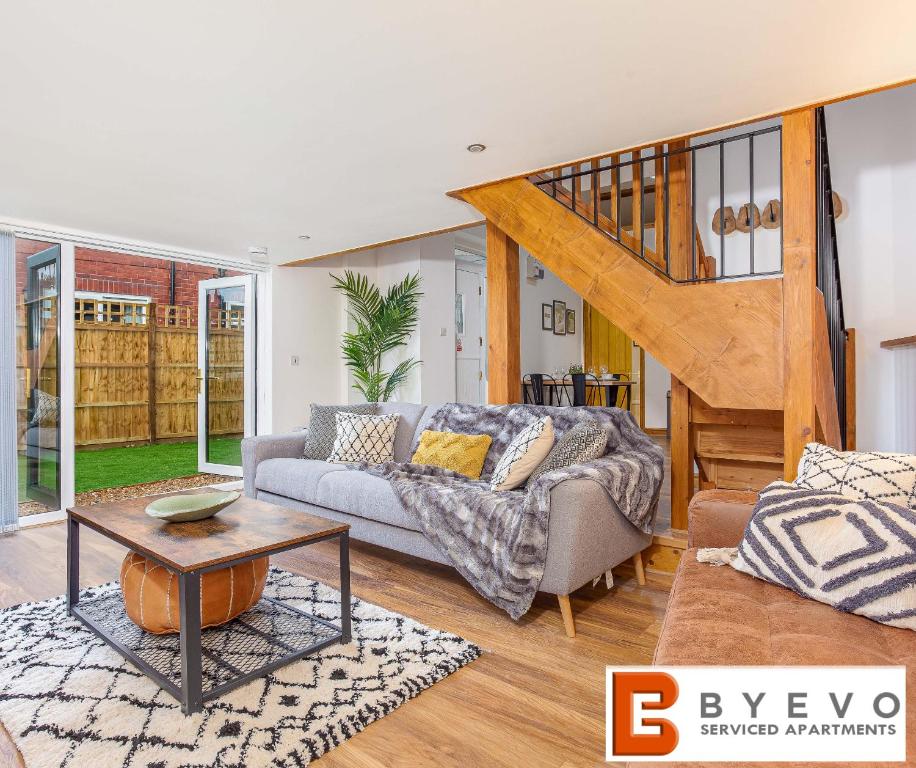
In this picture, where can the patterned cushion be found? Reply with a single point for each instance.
(364, 438)
(884, 477)
(322, 431)
(47, 409)
(584, 442)
(529, 448)
(464, 454)
(858, 556)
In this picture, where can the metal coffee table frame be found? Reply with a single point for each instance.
(190, 694)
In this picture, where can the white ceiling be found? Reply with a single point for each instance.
(213, 126)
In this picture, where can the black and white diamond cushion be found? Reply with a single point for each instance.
(857, 555)
(364, 438)
(584, 442)
(883, 477)
(529, 448)
(322, 429)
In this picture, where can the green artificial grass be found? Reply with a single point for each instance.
(114, 467)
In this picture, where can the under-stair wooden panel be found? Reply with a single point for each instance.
(723, 340)
(736, 449)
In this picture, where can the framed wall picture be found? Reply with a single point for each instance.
(559, 318)
(570, 321)
(546, 317)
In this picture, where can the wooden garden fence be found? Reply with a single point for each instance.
(135, 377)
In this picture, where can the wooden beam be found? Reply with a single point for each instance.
(680, 212)
(615, 186)
(504, 370)
(151, 369)
(642, 388)
(637, 200)
(681, 454)
(799, 232)
(850, 374)
(659, 188)
(828, 415)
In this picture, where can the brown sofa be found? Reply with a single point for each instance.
(717, 615)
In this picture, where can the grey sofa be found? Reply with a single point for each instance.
(585, 540)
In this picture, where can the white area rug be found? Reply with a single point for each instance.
(67, 699)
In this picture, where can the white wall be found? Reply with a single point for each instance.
(307, 322)
(543, 351)
(434, 259)
(309, 317)
(873, 163)
(736, 155)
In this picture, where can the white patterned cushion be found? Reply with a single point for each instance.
(858, 556)
(884, 477)
(322, 429)
(364, 438)
(529, 448)
(47, 409)
(584, 442)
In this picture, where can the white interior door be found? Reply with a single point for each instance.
(226, 372)
(469, 342)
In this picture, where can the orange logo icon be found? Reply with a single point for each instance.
(627, 685)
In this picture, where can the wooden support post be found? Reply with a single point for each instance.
(642, 388)
(151, 369)
(799, 234)
(615, 187)
(636, 198)
(660, 255)
(850, 389)
(681, 454)
(680, 211)
(504, 369)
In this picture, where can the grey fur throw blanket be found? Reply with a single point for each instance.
(497, 540)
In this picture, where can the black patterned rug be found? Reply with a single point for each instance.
(67, 699)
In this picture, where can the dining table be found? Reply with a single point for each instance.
(605, 386)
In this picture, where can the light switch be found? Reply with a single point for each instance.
(294, 360)
(443, 331)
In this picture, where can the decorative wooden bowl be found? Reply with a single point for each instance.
(188, 507)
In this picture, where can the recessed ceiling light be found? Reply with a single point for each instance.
(305, 237)
(476, 147)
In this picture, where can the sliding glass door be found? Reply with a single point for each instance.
(38, 362)
(226, 372)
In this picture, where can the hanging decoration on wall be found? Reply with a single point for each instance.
(724, 217)
(748, 216)
(772, 215)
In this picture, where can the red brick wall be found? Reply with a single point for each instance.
(109, 272)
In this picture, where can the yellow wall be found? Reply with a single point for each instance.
(605, 344)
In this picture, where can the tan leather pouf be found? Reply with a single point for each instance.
(151, 593)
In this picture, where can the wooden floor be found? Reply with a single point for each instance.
(535, 697)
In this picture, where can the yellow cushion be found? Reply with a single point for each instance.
(463, 454)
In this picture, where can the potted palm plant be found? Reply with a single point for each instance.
(382, 323)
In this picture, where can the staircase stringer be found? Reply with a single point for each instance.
(722, 340)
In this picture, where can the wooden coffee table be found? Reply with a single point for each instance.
(270, 635)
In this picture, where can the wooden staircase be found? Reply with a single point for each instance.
(750, 359)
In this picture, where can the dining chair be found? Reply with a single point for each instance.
(575, 389)
(613, 392)
(534, 382)
(593, 391)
